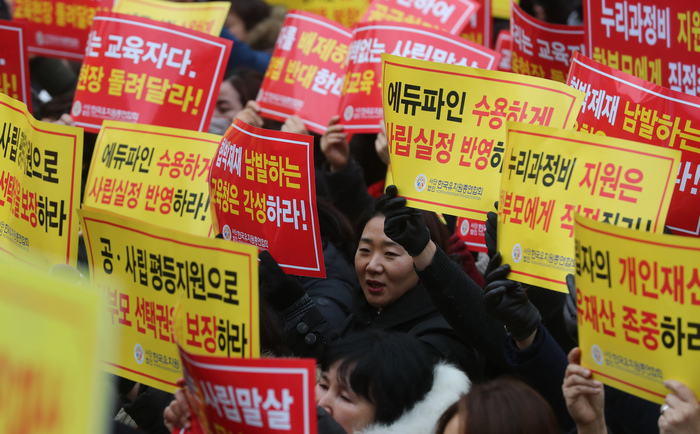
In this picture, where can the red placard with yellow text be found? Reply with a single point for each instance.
(550, 174)
(263, 193)
(361, 105)
(655, 41)
(305, 75)
(252, 396)
(541, 49)
(14, 63)
(478, 29)
(621, 105)
(638, 299)
(451, 16)
(58, 28)
(143, 71)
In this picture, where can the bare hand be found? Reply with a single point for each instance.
(585, 397)
(294, 124)
(251, 114)
(177, 414)
(682, 416)
(335, 146)
(381, 144)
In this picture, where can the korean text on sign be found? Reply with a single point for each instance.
(39, 187)
(637, 296)
(451, 16)
(551, 175)
(153, 174)
(143, 71)
(446, 129)
(263, 193)
(143, 270)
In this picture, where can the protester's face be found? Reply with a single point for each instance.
(384, 267)
(352, 412)
(452, 426)
(228, 104)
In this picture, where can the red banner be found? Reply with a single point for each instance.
(472, 232)
(262, 192)
(478, 28)
(58, 28)
(504, 45)
(656, 43)
(361, 104)
(148, 72)
(624, 106)
(252, 395)
(451, 16)
(541, 49)
(306, 72)
(14, 63)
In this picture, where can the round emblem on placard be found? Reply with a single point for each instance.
(597, 354)
(226, 232)
(139, 353)
(349, 111)
(421, 182)
(464, 228)
(77, 108)
(517, 253)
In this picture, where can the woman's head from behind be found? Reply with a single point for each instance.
(502, 406)
(373, 377)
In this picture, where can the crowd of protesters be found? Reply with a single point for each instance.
(424, 335)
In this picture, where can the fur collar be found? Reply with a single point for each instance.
(450, 383)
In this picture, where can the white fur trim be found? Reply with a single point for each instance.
(448, 385)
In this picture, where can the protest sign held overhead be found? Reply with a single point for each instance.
(549, 175)
(450, 16)
(621, 105)
(39, 187)
(206, 17)
(446, 129)
(478, 29)
(58, 28)
(263, 193)
(142, 270)
(655, 42)
(14, 63)
(252, 396)
(361, 105)
(637, 297)
(542, 49)
(344, 12)
(504, 45)
(46, 319)
(305, 75)
(143, 71)
(153, 174)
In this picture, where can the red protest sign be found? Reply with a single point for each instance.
(624, 106)
(541, 49)
(148, 72)
(451, 16)
(472, 233)
(656, 43)
(504, 45)
(252, 395)
(262, 192)
(306, 71)
(58, 28)
(14, 63)
(478, 29)
(361, 104)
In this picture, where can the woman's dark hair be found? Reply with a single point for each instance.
(247, 83)
(439, 233)
(391, 370)
(251, 12)
(503, 406)
(336, 228)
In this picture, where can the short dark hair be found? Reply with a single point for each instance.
(391, 370)
(503, 406)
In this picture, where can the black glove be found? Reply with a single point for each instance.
(506, 300)
(570, 312)
(277, 288)
(491, 232)
(405, 225)
(496, 271)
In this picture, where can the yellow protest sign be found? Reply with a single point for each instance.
(154, 174)
(50, 381)
(637, 297)
(446, 129)
(345, 12)
(550, 174)
(501, 8)
(144, 269)
(40, 169)
(206, 17)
